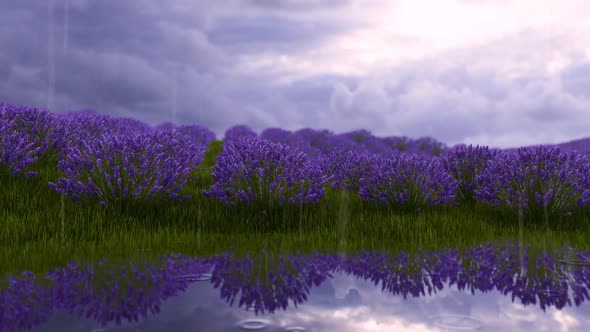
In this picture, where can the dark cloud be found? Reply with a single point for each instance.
(316, 89)
(5, 66)
(271, 32)
(218, 64)
(111, 55)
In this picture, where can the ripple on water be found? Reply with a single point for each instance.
(457, 322)
(253, 324)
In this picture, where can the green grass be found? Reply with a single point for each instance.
(41, 230)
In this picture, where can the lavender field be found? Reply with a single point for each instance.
(136, 192)
(109, 159)
(294, 165)
(107, 165)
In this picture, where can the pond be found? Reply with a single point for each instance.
(484, 288)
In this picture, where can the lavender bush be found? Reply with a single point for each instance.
(368, 142)
(195, 133)
(251, 170)
(347, 168)
(24, 136)
(424, 146)
(360, 141)
(137, 166)
(277, 135)
(73, 127)
(198, 134)
(311, 136)
(534, 178)
(336, 143)
(307, 141)
(464, 164)
(295, 141)
(239, 131)
(408, 180)
(430, 146)
(397, 143)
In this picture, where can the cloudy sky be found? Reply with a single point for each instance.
(501, 73)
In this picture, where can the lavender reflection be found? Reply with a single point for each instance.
(109, 293)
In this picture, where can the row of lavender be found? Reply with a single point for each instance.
(133, 291)
(113, 158)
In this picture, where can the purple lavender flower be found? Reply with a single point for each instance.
(408, 180)
(251, 170)
(24, 136)
(199, 134)
(73, 127)
(535, 178)
(347, 168)
(464, 164)
(239, 131)
(136, 166)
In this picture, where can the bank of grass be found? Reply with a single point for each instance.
(40, 230)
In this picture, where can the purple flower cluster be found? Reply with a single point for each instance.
(314, 143)
(534, 178)
(367, 142)
(277, 135)
(429, 146)
(293, 141)
(408, 180)
(311, 135)
(250, 170)
(464, 164)
(198, 134)
(136, 165)
(195, 133)
(319, 143)
(581, 146)
(347, 168)
(23, 136)
(73, 127)
(424, 146)
(401, 144)
(337, 144)
(238, 132)
(310, 141)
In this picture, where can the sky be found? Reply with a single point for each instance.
(499, 73)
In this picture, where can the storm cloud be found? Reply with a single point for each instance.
(477, 72)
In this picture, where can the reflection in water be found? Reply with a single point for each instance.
(130, 294)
